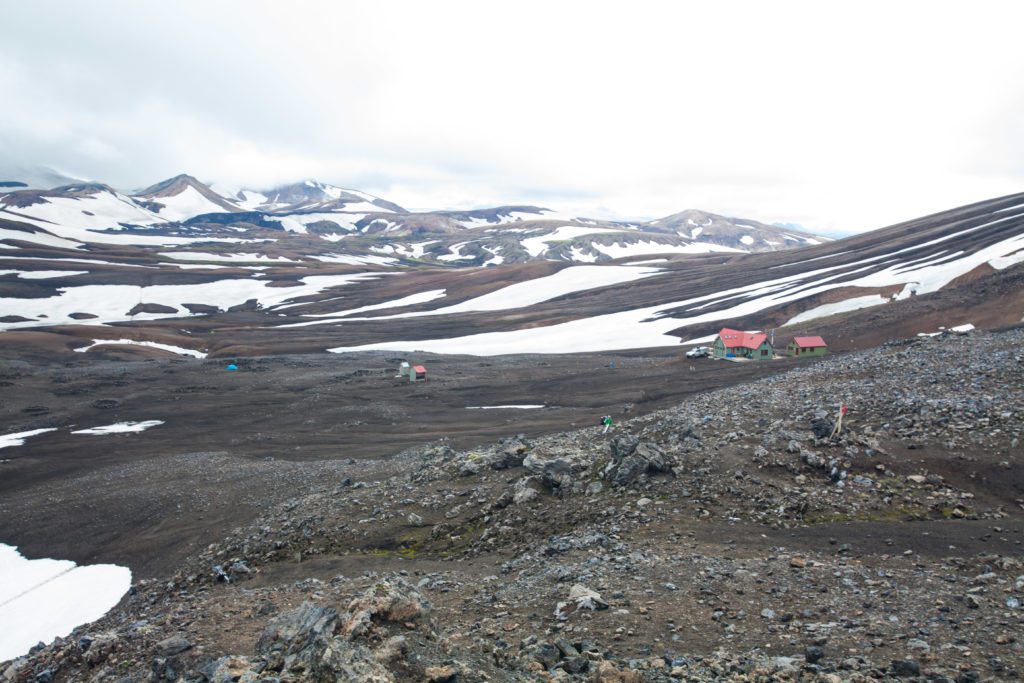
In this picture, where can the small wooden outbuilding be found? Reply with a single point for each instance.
(807, 346)
(417, 373)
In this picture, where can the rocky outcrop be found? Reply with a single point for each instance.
(632, 458)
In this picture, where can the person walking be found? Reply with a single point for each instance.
(607, 422)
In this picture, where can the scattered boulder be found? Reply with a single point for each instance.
(176, 644)
(526, 490)
(555, 471)
(905, 668)
(580, 597)
(633, 458)
(387, 601)
(822, 427)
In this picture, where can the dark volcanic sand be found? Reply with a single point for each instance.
(232, 442)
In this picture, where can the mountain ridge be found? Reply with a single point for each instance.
(314, 218)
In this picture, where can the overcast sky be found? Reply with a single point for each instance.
(842, 117)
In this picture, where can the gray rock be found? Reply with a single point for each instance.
(299, 635)
(822, 427)
(918, 645)
(632, 458)
(525, 490)
(905, 668)
(555, 471)
(547, 654)
(173, 645)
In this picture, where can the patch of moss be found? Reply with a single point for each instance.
(900, 514)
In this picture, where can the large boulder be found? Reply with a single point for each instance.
(385, 602)
(317, 643)
(580, 597)
(633, 458)
(526, 490)
(822, 426)
(296, 639)
(510, 454)
(554, 471)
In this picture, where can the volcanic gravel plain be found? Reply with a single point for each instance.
(315, 518)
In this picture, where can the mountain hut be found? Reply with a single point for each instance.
(736, 344)
(807, 346)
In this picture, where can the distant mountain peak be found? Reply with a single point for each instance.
(310, 194)
(742, 233)
(172, 186)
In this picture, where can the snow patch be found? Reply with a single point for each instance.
(456, 253)
(186, 204)
(526, 406)
(357, 260)
(181, 351)
(206, 256)
(43, 274)
(826, 310)
(42, 238)
(411, 300)
(566, 281)
(645, 247)
(535, 246)
(120, 428)
(44, 599)
(18, 439)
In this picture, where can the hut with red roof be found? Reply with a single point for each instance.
(807, 346)
(736, 344)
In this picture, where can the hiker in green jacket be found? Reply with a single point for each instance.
(607, 422)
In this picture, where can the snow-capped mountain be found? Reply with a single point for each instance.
(181, 198)
(311, 195)
(736, 233)
(73, 214)
(311, 220)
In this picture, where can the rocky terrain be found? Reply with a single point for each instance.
(733, 536)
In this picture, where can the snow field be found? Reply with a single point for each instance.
(535, 246)
(111, 303)
(647, 327)
(186, 204)
(645, 247)
(43, 599)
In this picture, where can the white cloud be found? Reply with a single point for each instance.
(839, 116)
